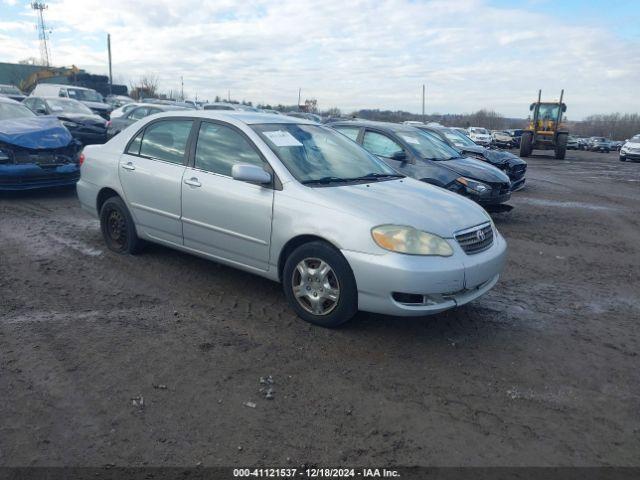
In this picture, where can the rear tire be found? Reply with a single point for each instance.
(118, 229)
(525, 144)
(319, 285)
(561, 146)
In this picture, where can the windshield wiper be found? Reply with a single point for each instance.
(315, 181)
(377, 176)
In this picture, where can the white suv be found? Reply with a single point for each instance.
(631, 149)
(480, 135)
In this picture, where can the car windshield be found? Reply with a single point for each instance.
(635, 139)
(9, 90)
(428, 145)
(458, 138)
(84, 95)
(482, 131)
(68, 106)
(11, 111)
(316, 154)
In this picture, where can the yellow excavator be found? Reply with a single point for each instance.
(32, 80)
(545, 130)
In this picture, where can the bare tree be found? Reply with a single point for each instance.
(145, 87)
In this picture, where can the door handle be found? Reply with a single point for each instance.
(128, 166)
(193, 181)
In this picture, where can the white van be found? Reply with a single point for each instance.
(89, 97)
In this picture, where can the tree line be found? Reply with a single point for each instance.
(616, 126)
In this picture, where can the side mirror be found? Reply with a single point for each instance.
(531, 107)
(399, 156)
(41, 111)
(250, 174)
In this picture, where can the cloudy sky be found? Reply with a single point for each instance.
(356, 53)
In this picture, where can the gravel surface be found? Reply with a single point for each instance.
(167, 359)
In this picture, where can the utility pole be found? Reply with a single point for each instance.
(181, 88)
(299, 97)
(42, 32)
(423, 100)
(110, 72)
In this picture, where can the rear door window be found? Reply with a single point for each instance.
(351, 132)
(166, 140)
(380, 144)
(139, 113)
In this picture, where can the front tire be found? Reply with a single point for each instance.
(118, 229)
(561, 146)
(319, 285)
(525, 144)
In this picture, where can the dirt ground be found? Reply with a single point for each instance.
(150, 359)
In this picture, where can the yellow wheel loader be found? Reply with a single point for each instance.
(545, 130)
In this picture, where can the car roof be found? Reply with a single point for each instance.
(63, 85)
(51, 97)
(249, 118)
(162, 106)
(389, 126)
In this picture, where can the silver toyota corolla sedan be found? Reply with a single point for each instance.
(295, 202)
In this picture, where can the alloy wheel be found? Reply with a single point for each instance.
(315, 286)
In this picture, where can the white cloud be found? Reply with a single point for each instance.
(364, 53)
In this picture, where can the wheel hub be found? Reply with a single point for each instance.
(315, 286)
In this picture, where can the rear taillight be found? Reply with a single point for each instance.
(108, 123)
(81, 159)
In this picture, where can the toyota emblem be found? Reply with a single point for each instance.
(480, 235)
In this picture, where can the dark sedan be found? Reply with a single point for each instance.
(35, 152)
(420, 155)
(84, 125)
(118, 124)
(12, 92)
(513, 166)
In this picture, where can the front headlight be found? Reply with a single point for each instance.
(410, 241)
(473, 185)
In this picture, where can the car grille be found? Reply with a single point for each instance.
(476, 239)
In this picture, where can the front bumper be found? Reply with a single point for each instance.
(32, 176)
(445, 282)
(493, 199)
(630, 156)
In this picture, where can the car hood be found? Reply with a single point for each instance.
(83, 118)
(35, 133)
(476, 169)
(500, 157)
(471, 148)
(406, 202)
(97, 105)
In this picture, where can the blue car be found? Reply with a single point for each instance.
(35, 152)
